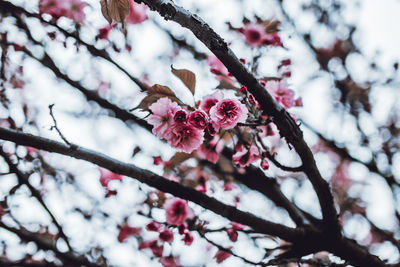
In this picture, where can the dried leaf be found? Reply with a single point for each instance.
(116, 10)
(154, 93)
(224, 84)
(187, 77)
(177, 159)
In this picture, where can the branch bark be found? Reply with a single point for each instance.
(156, 181)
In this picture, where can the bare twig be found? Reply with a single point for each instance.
(55, 127)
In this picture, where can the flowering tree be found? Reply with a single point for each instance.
(193, 150)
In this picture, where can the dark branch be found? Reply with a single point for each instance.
(156, 181)
(69, 258)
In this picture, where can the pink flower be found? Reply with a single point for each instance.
(169, 261)
(228, 112)
(177, 211)
(245, 157)
(72, 9)
(254, 34)
(219, 69)
(155, 248)
(166, 235)
(233, 234)
(211, 100)
(106, 176)
(264, 164)
(180, 116)
(237, 226)
(210, 151)
(162, 118)
(153, 226)
(137, 13)
(126, 231)
(198, 119)
(188, 238)
(221, 255)
(185, 137)
(279, 90)
(272, 39)
(103, 32)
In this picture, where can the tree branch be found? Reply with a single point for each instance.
(68, 257)
(156, 181)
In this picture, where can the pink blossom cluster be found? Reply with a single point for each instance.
(107, 176)
(185, 130)
(72, 9)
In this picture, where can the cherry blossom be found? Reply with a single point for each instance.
(169, 261)
(106, 176)
(185, 137)
(188, 238)
(221, 255)
(153, 226)
(211, 100)
(219, 69)
(245, 157)
(177, 211)
(126, 231)
(72, 9)
(282, 94)
(153, 245)
(210, 151)
(228, 112)
(254, 34)
(166, 235)
(137, 13)
(198, 119)
(162, 118)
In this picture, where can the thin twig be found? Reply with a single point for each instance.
(56, 127)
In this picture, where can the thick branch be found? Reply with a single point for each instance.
(156, 181)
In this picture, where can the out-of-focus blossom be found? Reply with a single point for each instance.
(153, 245)
(126, 231)
(221, 255)
(282, 94)
(177, 211)
(210, 151)
(188, 238)
(137, 13)
(254, 34)
(245, 156)
(72, 9)
(153, 226)
(166, 235)
(169, 262)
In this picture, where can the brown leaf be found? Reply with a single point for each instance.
(116, 10)
(187, 77)
(154, 93)
(177, 159)
(224, 84)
